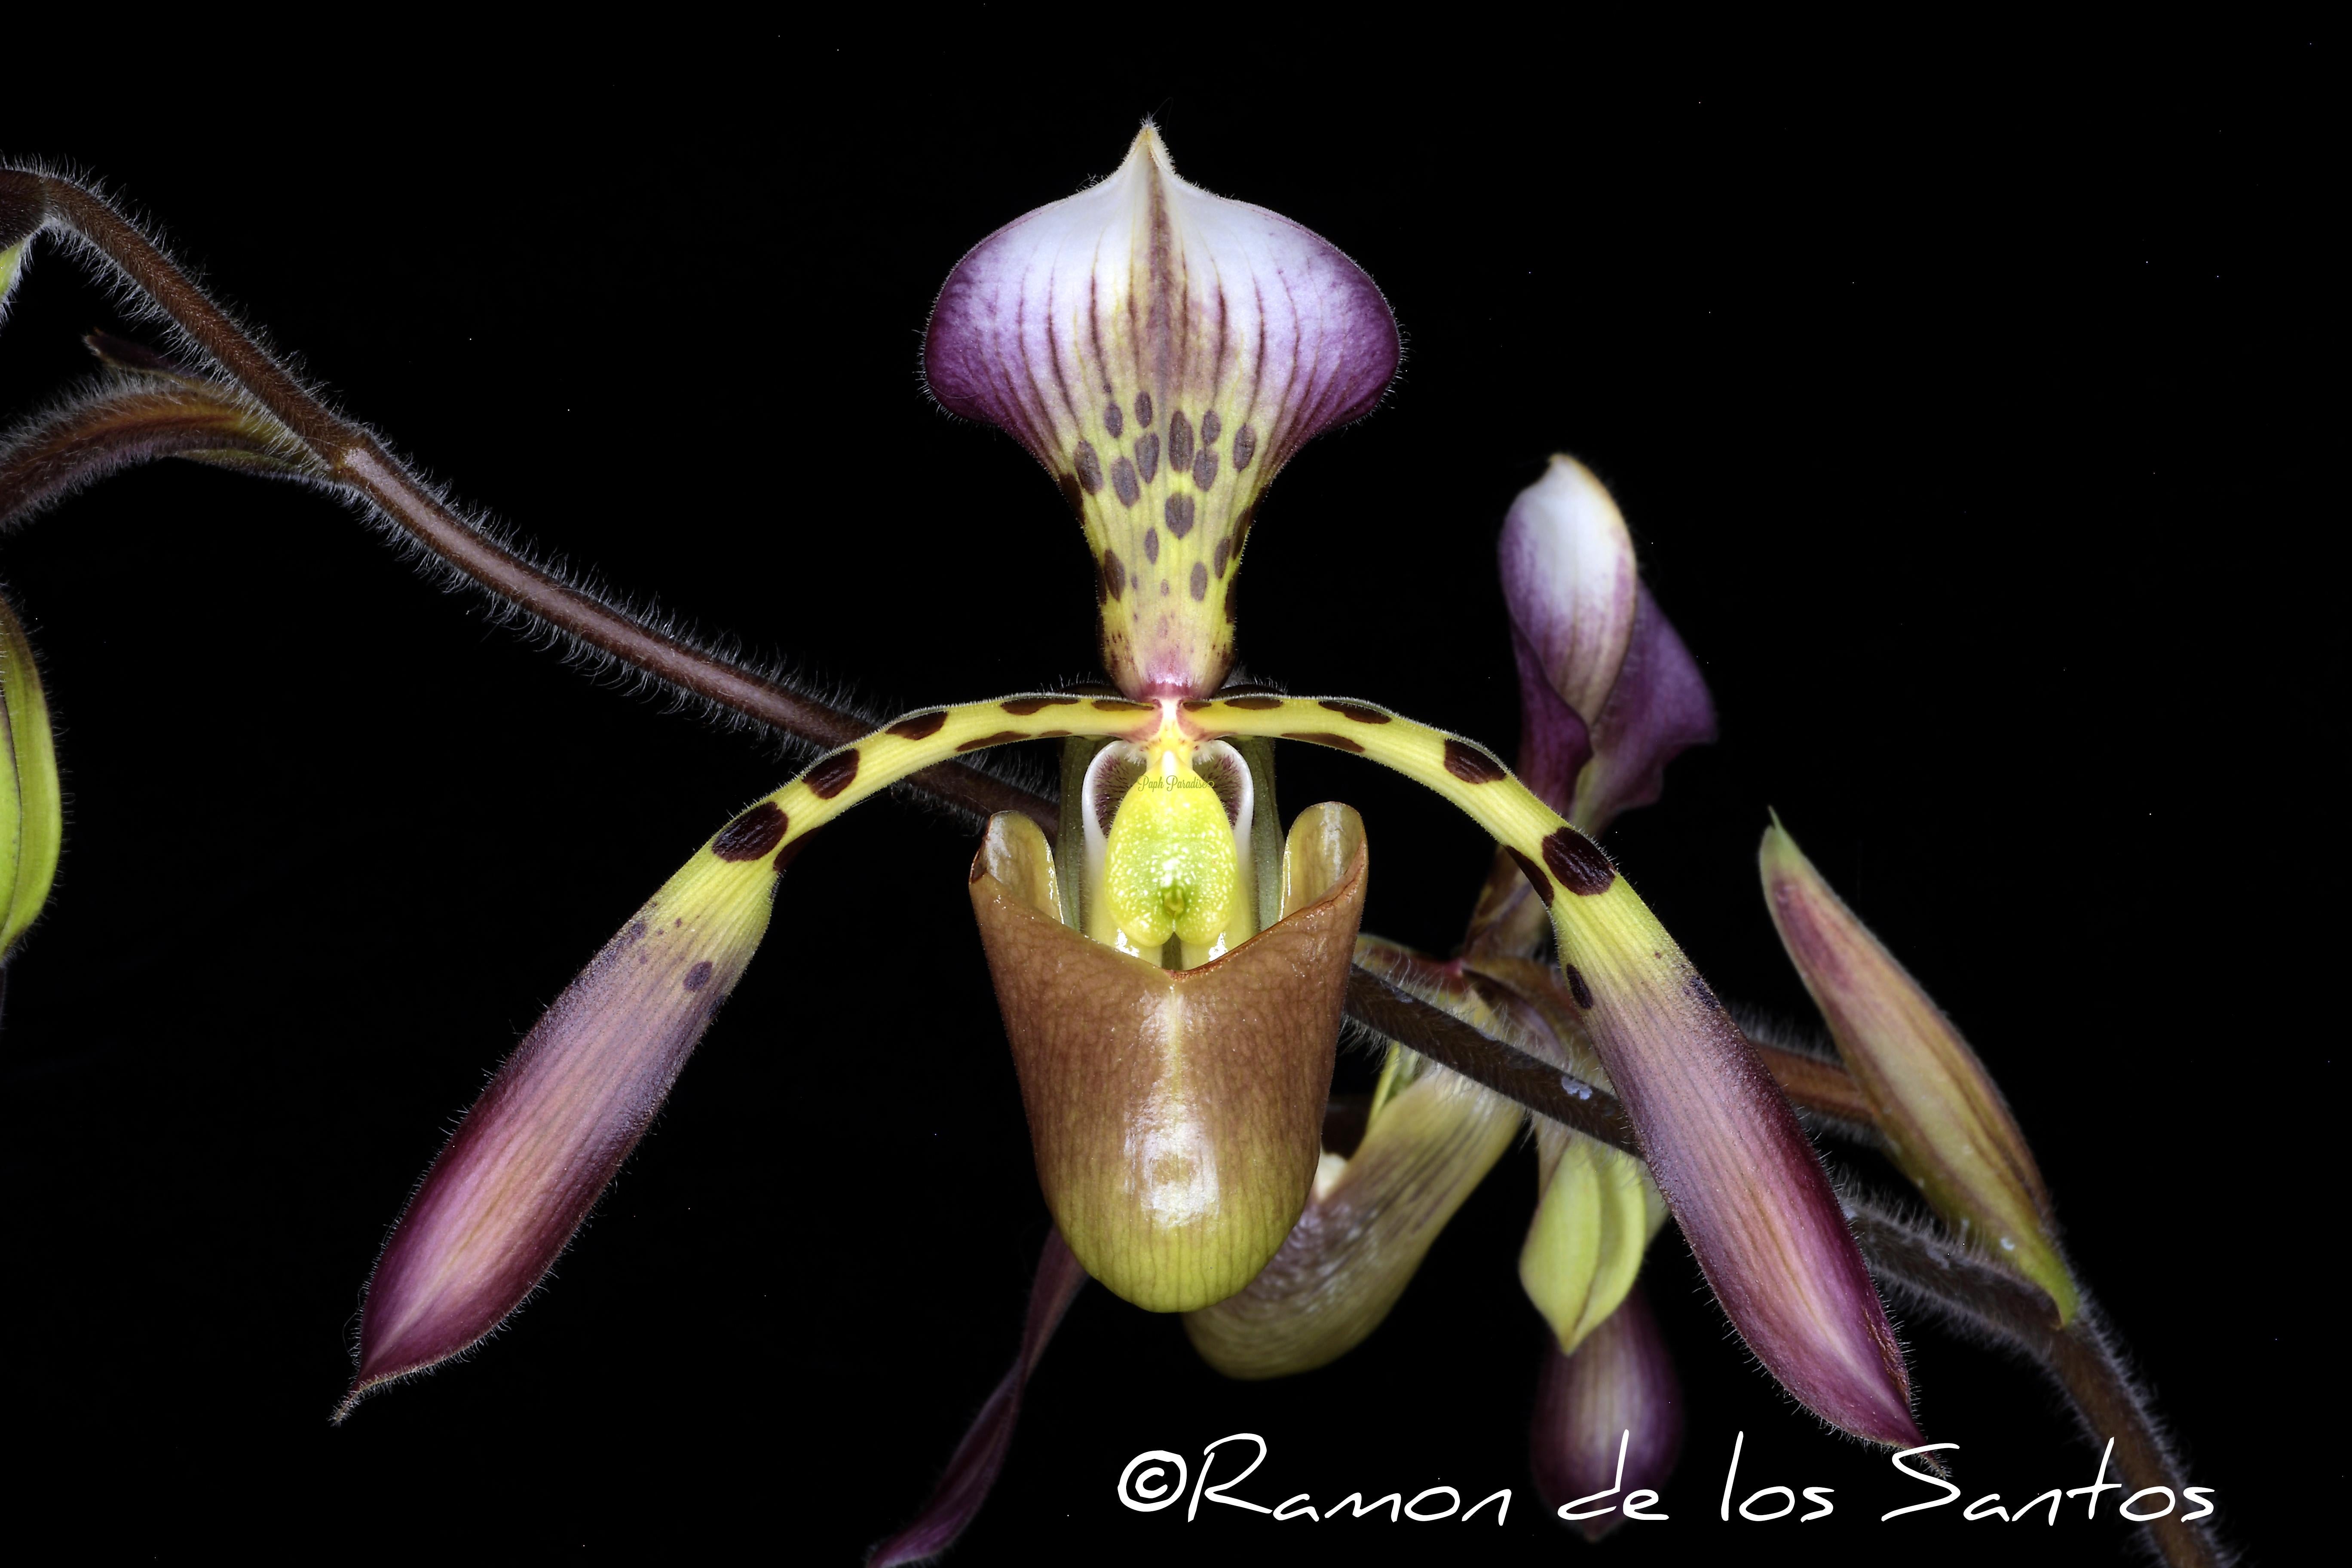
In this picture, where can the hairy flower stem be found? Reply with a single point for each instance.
(352, 460)
(1948, 1279)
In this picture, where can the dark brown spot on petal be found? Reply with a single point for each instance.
(698, 977)
(1200, 581)
(1122, 480)
(1577, 987)
(1204, 469)
(1242, 527)
(1120, 705)
(1232, 602)
(1021, 706)
(1178, 511)
(1114, 575)
(1072, 496)
(1358, 712)
(1179, 442)
(636, 932)
(1472, 765)
(1163, 594)
(1255, 704)
(1224, 547)
(1579, 863)
(1535, 876)
(833, 774)
(751, 835)
(1143, 408)
(1113, 420)
(1089, 467)
(1000, 738)
(1210, 428)
(1702, 993)
(1321, 739)
(1244, 447)
(1151, 545)
(786, 856)
(920, 726)
(1147, 455)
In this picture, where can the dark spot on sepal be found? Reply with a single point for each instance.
(1210, 428)
(1244, 447)
(1577, 987)
(1472, 765)
(1151, 545)
(833, 774)
(1114, 575)
(1123, 481)
(751, 835)
(1578, 862)
(1321, 738)
(1143, 408)
(1113, 420)
(1147, 455)
(1179, 442)
(1534, 874)
(1357, 712)
(999, 738)
(1072, 496)
(1254, 704)
(698, 977)
(1021, 706)
(1120, 705)
(1089, 467)
(1177, 512)
(1200, 581)
(921, 726)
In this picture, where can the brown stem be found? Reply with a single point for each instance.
(1479, 1056)
(355, 461)
(2079, 1359)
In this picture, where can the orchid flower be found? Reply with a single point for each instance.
(1172, 951)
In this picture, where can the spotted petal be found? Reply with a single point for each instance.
(1162, 351)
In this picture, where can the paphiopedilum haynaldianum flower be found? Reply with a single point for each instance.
(1179, 1173)
(1138, 323)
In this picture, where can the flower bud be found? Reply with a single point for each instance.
(1162, 351)
(1608, 693)
(1945, 1121)
(1608, 1419)
(1176, 1114)
(32, 809)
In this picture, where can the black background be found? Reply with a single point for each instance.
(1961, 408)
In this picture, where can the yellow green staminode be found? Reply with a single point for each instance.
(1171, 867)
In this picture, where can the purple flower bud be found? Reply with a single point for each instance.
(1944, 1119)
(1608, 694)
(1608, 1419)
(528, 1163)
(1162, 351)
